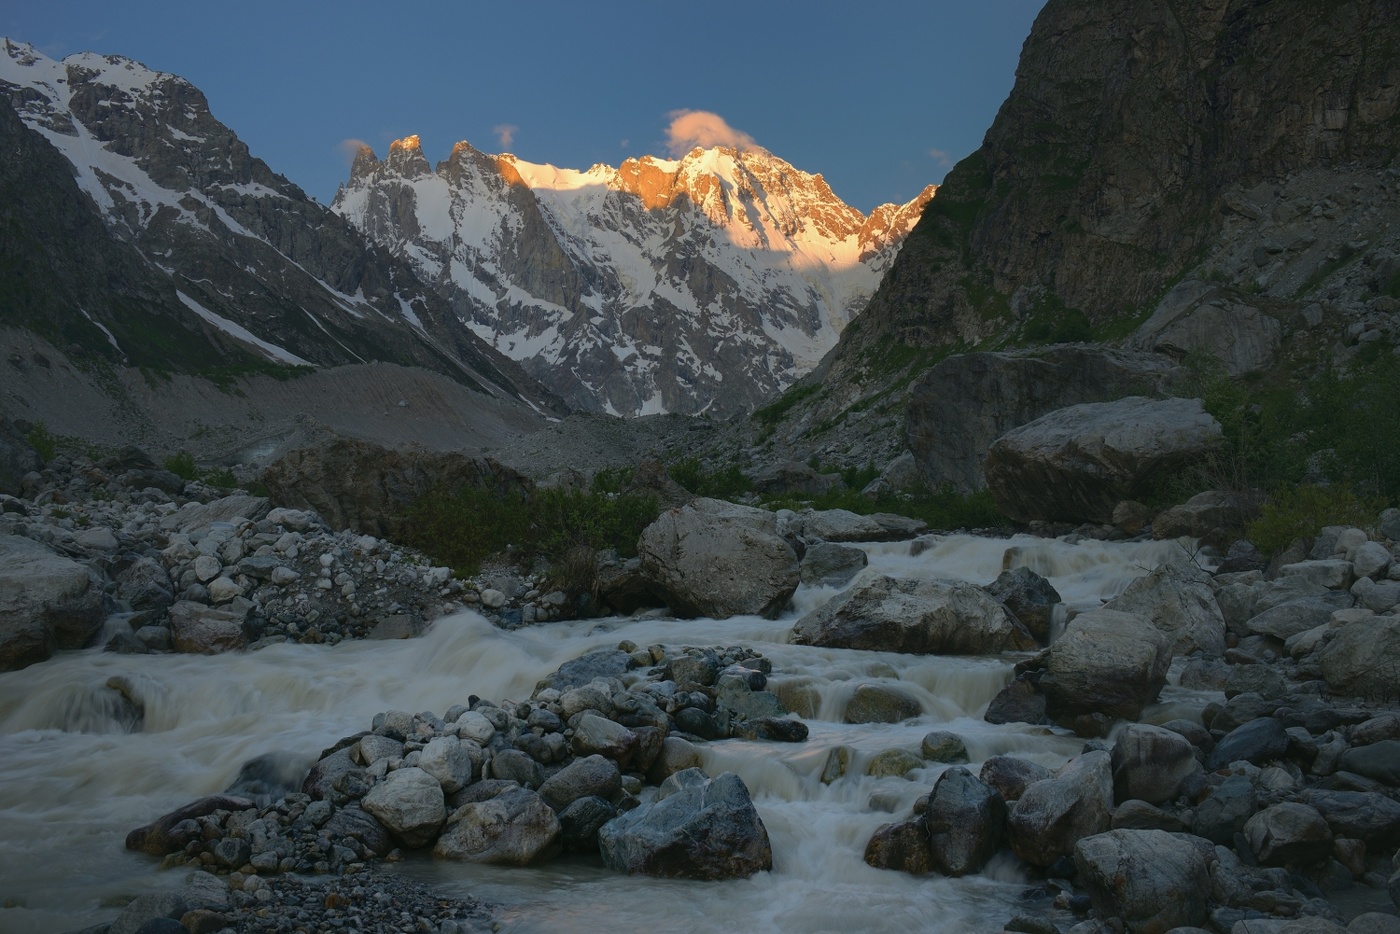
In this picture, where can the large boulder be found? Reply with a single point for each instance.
(1288, 834)
(200, 517)
(966, 821)
(358, 485)
(1240, 337)
(1150, 763)
(1052, 815)
(697, 828)
(1029, 597)
(1363, 658)
(47, 602)
(997, 392)
(513, 828)
(1178, 598)
(1155, 881)
(828, 564)
(1108, 663)
(410, 804)
(206, 630)
(1076, 464)
(713, 558)
(921, 617)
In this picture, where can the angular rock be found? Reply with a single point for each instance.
(1288, 834)
(593, 776)
(966, 821)
(1178, 598)
(513, 828)
(199, 629)
(698, 828)
(828, 564)
(47, 602)
(917, 617)
(1150, 763)
(1259, 741)
(1106, 663)
(1054, 814)
(1011, 776)
(1155, 881)
(718, 559)
(1029, 597)
(163, 835)
(410, 804)
(1363, 658)
(1367, 816)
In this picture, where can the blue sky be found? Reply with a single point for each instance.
(879, 97)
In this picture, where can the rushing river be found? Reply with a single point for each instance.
(73, 783)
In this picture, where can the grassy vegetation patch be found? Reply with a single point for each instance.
(1292, 513)
(773, 412)
(728, 482)
(464, 528)
(945, 509)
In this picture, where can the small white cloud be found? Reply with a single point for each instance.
(940, 157)
(505, 133)
(691, 128)
(624, 144)
(351, 147)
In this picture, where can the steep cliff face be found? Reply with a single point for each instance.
(240, 264)
(1212, 178)
(1105, 173)
(700, 284)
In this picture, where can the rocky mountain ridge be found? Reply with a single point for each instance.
(1200, 182)
(700, 284)
(144, 234)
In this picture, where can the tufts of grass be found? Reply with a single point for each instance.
(1291, 513)
(43, 442)
(462, 529)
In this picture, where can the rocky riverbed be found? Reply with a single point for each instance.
(1046, 734)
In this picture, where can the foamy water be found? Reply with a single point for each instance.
(72, 783)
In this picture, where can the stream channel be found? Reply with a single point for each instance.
(73, 782)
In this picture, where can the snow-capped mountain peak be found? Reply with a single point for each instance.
(702, 283)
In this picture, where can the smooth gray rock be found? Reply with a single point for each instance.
(1363, 658)
(1289, 619)
(712, 558)
(1259, 741)
(1054, 814)
(410, 804)
(901, 846)
(1150, 763)
(1379, 761)
(1372, 818)
(829, 564)
(932, 617)
(1011, 776)
(1030, 598)
(966, 821)
(449, 760)
(598, 735)
(1076, 464)
(1224, 812)
(145, 908)
(513, 828)
(1178, 599)
(594, 776)
(698, 828)
(206, 630)
(1108, 663)
(998, 392)
(1288, 834)
(47, 602)
(881, 703)
(1153, 880)
(942, 746)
